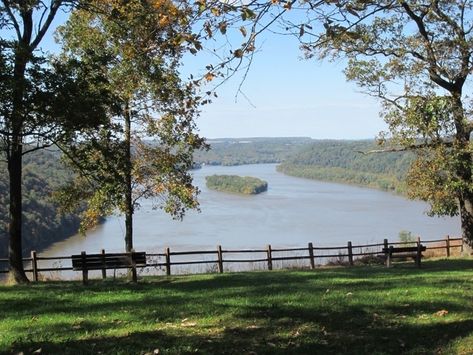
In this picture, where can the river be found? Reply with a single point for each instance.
(292, 212)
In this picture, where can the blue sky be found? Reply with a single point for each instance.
(290, 96)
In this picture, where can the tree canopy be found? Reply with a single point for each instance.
(416, 58)
(146, 150)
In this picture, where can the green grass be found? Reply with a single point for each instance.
(361, 310)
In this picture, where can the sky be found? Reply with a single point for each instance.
(291, 96)
(287, 96)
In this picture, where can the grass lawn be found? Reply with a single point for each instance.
(361, 310)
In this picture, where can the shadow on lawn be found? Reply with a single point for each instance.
(268, 324)
(425, 339)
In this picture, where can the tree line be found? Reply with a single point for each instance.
(347, 162)
(239, 151)
(43, 221)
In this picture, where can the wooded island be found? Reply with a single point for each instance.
(237, 184)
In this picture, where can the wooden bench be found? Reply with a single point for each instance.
(404, 252)
(85, 262)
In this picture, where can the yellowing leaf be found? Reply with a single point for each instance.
(209, 76)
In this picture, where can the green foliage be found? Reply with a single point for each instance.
(232, 183)
(240, 151)
(416, 58)
(116, 167)
(344, 161)
(43, 222)
(407, 237)
(360, 310)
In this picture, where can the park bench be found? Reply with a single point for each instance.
(414, 252)
(85, 262)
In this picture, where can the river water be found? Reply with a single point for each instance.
(292, 212)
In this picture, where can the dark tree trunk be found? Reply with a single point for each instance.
(15, 155)
(466, 216)
(463, 169)
(128, 183)
(15, 248)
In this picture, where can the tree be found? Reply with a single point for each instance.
(416, 57)
(146, 151)
(42, 100)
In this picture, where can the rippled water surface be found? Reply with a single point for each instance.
(292, 212)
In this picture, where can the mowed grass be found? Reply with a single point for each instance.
(361, 310)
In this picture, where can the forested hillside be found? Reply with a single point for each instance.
(42, 223)
(238, 151)
(342, 161)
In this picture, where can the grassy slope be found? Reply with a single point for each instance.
(340, 310)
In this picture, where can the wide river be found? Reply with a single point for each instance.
(292, 212)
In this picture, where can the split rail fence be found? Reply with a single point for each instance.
(215, 260)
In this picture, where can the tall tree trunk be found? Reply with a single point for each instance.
(466, 217)
(15, 249)
(464, 169)
(128, 188)
(15, 156)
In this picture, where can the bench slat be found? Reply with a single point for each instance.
(112, 260)
(403, 249)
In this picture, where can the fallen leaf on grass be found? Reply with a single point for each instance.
(441, 313)
(188, 324)
(349, 294)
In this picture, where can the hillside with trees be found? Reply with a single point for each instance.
(238, 151)
(246, 185)
(347, 162)
(43, 224)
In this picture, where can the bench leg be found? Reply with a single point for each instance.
(85, 276)
(418, 259)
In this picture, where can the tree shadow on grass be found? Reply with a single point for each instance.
(276, 316)
(326, 339)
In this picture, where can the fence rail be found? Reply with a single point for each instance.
(314, 254)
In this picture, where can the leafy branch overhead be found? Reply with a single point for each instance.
(416, 58)
(146, 149)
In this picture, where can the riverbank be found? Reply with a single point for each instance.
(332, 310)
(382, 182)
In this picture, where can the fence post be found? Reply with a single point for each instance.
(447, 245)
(168, 261)
(104, 268)
(34, 266)
(220, 258)
(270, 260)
(311, 255)
(386, 252)
(134, 275)
(419, 252)
(350, 253)
(85, 272)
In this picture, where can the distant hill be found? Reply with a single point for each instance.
(238, 151)
(42, 223)
(343, 161)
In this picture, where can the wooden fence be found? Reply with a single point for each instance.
(310, 256)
